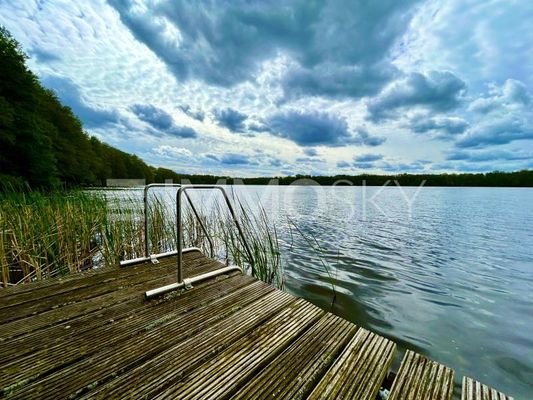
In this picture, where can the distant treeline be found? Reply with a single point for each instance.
(501, 179)
(42, 144)
(518, 179)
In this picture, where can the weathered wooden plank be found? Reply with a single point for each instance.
(57, 301)
(420, 378)
(94, 336)
(474, 390)
(10, 311)
(156, 375)
(34, 290)
(360, 370)
(23, 345)
(72, 311)
(223, 375)
(96, 340)
(294, 374)
(107, 364)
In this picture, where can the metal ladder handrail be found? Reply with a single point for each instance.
(145, 200)
(183, 189)
(187, 283)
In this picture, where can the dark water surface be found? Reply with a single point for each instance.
(447, 272)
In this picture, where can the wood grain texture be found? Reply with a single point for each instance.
(419, 378)
(359, 371)
(474, 390)
(295, 373)
(95, 336)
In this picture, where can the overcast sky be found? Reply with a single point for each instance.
(282, 87)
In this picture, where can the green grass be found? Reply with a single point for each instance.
(54, 234)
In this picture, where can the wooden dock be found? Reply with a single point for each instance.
(95, 336)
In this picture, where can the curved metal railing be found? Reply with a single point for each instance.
(181, 282)
(146, 224)
(183, 190)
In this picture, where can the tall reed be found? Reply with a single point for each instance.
(46, 235)
(264, 259)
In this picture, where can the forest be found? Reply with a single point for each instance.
(43, 145)
(496, 179)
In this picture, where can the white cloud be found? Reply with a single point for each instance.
(314, 59)
(511, 96)
(171, 151)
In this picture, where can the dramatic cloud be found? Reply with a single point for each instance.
(515, 92)
(161, 120)
(488, 155)
(497, 132)
(368, 157)
(70, 95)
(309, 160)
(235, 159)
(182, 132)
(339, 46)
(438, 91)
(512, 94)
(364, 165)
(363, 137)
(444, 126)
(231, 119)
(156, 117)
(310, 152)
(336, 80)
(198, 115)
(275, 162)
(258, 127)
(310, 128)
(501, 116)
(343, 164)
(317, 128)
(271, 87)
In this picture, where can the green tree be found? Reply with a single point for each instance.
(42, 141)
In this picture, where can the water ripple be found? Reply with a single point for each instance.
(447, 278)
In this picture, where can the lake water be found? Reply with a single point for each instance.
(447, 272)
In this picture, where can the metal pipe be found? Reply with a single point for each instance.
(145, 198)
(139, 260)
(204, 229)
(179, 230)
(181, 283)
(179, 227)
(239, 229)
(188, 282)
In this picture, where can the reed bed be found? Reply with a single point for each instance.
(264, 260)
(43, 235)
